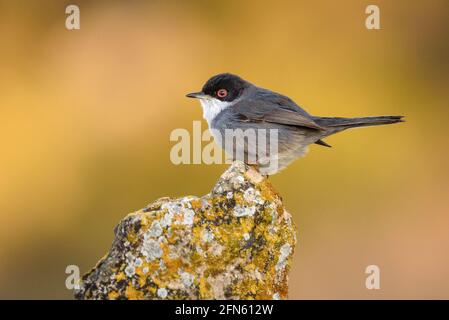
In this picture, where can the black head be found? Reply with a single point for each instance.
(224, 87)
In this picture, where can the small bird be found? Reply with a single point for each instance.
(230, 102)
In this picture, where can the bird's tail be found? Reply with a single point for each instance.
(339, 124)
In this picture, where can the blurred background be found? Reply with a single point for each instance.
(85, 119)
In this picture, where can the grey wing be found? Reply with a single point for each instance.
(273, 108)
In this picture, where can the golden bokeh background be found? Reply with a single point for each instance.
(85, 118)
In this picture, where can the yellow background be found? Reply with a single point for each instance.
(85, 118)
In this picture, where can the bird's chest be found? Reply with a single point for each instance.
(212, 108)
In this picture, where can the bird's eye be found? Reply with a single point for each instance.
(222, 93)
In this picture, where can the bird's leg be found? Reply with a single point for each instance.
(256, 168)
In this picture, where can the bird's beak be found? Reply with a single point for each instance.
(196, 95)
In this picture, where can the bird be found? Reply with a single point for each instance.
(232, 104)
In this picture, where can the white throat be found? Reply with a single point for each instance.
(212, 107)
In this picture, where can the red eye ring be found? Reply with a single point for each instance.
(222, 93)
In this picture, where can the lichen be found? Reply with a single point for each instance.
(235, 243)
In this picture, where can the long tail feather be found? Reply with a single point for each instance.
(345, 123)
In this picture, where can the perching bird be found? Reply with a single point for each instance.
(231, 103)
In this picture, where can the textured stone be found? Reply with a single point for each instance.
(235, 243)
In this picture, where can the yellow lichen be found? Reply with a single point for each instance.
(222, 253)
(113, 295)
(120, 276)
(133, 294)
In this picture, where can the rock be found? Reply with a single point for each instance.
(235, 243)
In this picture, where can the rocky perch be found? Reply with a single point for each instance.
(235, 243)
